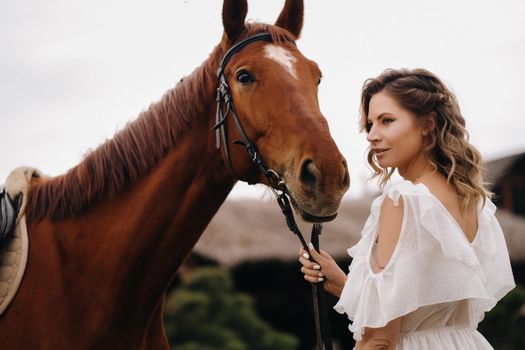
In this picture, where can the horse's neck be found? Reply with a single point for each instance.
(170, 209)
(174, 205)
(142, 236)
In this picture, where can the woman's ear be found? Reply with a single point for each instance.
(428, 123)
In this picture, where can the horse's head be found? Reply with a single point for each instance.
(274, 90)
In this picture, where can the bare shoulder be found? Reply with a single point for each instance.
(390, 220)
(391, 211)
(389, 230)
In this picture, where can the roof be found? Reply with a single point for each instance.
(496, 169)
(251, 230)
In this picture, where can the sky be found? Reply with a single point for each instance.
(72, 72)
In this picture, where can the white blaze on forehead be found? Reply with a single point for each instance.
(282, 56)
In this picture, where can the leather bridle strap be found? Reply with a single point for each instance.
(322, 325)
(225, 107)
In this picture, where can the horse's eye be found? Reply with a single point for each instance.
(319, 80)
(244, 77)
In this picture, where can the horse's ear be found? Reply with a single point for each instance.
(233, 16)
(291, 17)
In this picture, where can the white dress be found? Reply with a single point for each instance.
(440, 283)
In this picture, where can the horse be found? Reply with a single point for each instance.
(107, 237)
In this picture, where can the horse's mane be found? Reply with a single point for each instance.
(136, 149)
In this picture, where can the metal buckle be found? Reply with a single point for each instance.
(277, 183)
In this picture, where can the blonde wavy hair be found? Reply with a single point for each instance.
(448, 148)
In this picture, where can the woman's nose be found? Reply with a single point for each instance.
(372, 135)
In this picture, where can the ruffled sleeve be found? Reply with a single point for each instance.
(492, 253)
(432, 263)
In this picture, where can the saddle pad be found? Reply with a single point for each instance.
(14, 253)
(13, 259)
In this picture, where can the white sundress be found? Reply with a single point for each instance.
(440, 283)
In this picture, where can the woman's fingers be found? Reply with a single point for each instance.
(303, 253)
(310, 269)
(311, 272)
(312, 265)
(321, 258)
(312, 275)
(313, 279)
(317, 262)
(314, 271)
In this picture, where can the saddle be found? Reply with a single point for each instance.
(14, 240)
(9, 209)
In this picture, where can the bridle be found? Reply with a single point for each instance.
(225, 107)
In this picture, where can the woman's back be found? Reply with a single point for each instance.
(447, 195)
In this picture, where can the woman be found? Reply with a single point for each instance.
(432, 258)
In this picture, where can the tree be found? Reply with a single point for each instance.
(503, 326)
(206, 313)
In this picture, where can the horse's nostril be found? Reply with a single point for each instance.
(308, 176)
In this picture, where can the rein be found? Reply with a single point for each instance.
(225, 107)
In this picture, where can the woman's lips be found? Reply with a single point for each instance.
(379, 152)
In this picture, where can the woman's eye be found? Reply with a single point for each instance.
(244, 77)
(387, 121)
(368, 127)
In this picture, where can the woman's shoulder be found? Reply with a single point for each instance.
(421, 208)
(437, 195)
(396, 190)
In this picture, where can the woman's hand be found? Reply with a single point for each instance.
(323, 268)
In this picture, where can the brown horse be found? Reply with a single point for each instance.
(107, 237)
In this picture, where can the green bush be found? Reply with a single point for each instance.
(206, 313)
(504, 325)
